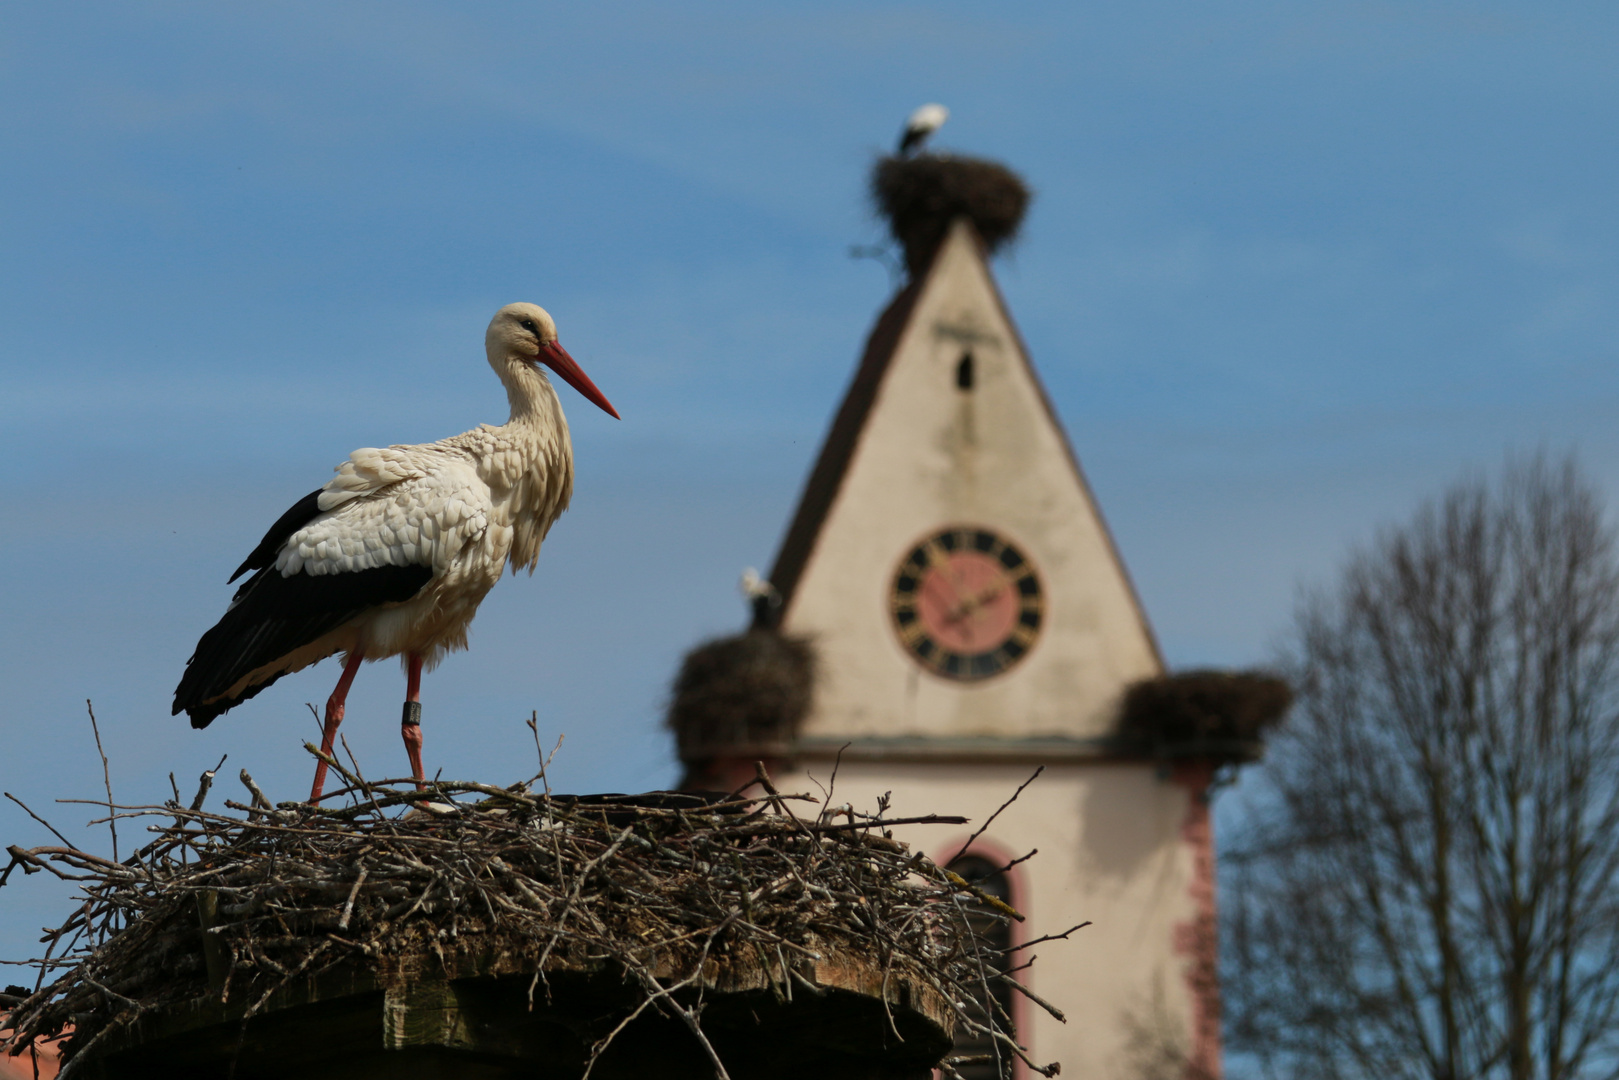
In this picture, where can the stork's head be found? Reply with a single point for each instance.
(526, 334)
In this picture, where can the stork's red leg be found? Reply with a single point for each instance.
(334, 717)
(410, 724)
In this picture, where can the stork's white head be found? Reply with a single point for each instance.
(930, 117)
(526, 334)
(923, 122)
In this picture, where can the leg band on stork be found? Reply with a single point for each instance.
(410, 722)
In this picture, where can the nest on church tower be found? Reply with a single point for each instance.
(921, 196)
(1214, 714)
(742, 695)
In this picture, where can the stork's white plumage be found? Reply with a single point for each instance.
(922, 123)
(761, 595)
(393, 555)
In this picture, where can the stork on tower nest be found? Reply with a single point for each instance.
(920, 194)
(922, 123)
(393, 555)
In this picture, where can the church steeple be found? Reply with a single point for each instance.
(947, 558)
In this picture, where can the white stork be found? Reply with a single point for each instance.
(393, 555)
(922, 123)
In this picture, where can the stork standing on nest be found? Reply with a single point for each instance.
(393, 555)
(922, 123)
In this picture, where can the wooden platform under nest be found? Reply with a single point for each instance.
(353, 1024)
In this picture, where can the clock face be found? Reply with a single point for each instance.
(966, 603)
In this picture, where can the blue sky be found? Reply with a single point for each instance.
(1290, 267)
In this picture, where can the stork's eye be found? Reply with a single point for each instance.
(528, 324)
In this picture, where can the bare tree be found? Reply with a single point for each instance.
(1430, 885)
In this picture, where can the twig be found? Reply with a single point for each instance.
(348, 905)
(980, 895)
(206, 781)
(924, 819)
(1020, 859)
(1034, 997)
(832, 781)
(354, 782)
(260, 799)
(39, 819)
(106, 776)
(533, 723)
(991, 819)
(1049, 937)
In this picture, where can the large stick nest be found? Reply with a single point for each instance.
(1208, 713)
(921, 196)
(745, 694)
(655, 889)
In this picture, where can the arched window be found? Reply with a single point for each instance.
(997, 934)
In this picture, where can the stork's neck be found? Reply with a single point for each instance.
(532, 398)
(536, 436)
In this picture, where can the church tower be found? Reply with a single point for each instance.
(971, 620)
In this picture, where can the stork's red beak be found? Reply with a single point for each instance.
(557, 359)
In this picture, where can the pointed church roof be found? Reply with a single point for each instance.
(827, 475)
(1018, 477)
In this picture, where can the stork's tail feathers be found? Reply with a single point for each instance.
(204, 713)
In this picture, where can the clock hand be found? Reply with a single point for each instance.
(973, 603)
(936, 581)
(942, 573)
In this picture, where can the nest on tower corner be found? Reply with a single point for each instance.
(742, 696)
(920, 197)
(1215, 715)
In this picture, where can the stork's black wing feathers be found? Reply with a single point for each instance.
(303, 511)
(274, 616)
